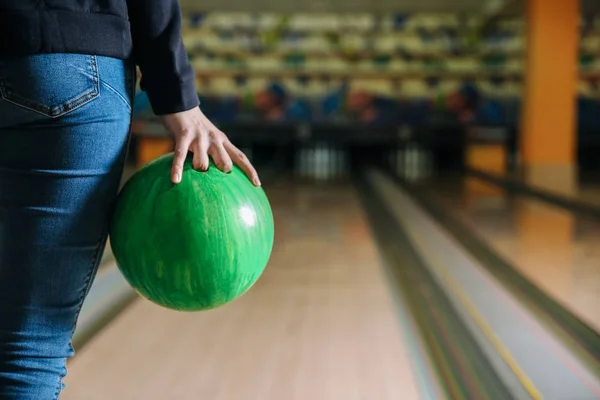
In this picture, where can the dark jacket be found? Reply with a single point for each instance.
(147, 30)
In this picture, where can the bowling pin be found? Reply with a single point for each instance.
(333, 161)
(418, 161)
(410, 161)
(405, 159)
(422, 163)
(342, 162)
(316, 161)
(417, 156)
(329, 161)
(322, 161)
(337, 161)
(326, 161)
(311, 161)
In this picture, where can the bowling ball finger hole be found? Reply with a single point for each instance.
(201, 171)
(223, 172)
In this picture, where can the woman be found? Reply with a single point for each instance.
(66, 88)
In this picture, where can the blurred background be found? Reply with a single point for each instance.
(434, 174)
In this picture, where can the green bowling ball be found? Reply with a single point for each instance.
(192, 246)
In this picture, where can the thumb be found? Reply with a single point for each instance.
(181, 149)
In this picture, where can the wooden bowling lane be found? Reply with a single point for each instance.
(320, 324)
(555, 249)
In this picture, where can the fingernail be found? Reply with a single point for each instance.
(256, 181)
(176, 178)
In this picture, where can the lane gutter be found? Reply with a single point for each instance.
(461, 366)
(568, 203)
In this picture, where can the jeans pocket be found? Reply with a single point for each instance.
(50, 84)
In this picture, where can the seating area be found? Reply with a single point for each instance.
(386, 69)
(412, 70)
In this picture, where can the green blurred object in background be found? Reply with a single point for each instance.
(440, 102)
(192, 246)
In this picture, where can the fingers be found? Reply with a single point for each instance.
(221, 157)
(240, 159)
(204, 139)
(200, 161)
(182, 147)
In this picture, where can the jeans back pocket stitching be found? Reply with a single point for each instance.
(55, 112)
(119, 95)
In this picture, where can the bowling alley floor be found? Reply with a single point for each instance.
(379, 300)
(556, 249)
(320, 324)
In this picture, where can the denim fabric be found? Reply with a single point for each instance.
(64, 131)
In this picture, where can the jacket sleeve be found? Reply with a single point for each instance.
(167, 76)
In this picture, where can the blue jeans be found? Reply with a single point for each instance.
(64, 131)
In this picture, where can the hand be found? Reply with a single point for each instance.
(194, 132)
